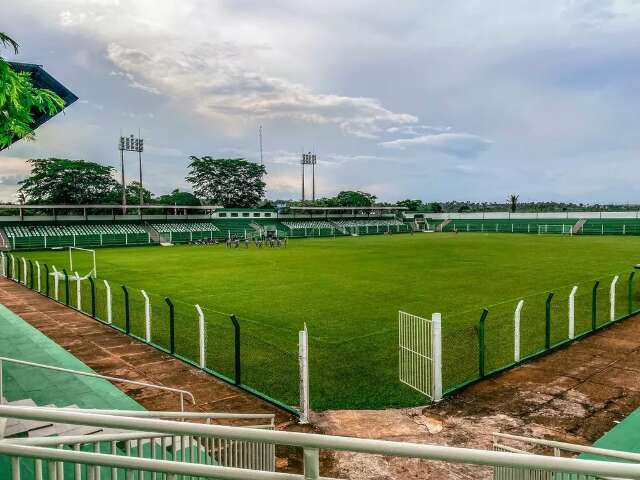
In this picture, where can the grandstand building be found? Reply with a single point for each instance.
(51, 226)
(84, 396)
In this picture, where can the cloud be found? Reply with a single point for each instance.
(417, 129)
(211, 80)
(462, 145)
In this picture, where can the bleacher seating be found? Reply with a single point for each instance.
(371, 225)
(308, 224)
(611, 226)
(547, 226)
(185, 227)
(311, 228)
(368, 222)
(47, 236)
(187, 231)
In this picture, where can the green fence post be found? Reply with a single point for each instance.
(172, 325)
(238, 363)
(547, 327)
(66, 286)
(481, 346)
(127, 320)
(93, 296)
(630, 291)
(46, 279)
(594, 305)
(18, 262)
(30, 274)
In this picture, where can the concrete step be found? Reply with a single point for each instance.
(579, 224)
(63, 429)
(442, 226)
(16, 426)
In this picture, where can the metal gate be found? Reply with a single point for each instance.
(419, 354)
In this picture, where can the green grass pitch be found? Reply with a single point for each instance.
(348, 292)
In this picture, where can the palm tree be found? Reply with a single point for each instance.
(6, 40)
(513, 200)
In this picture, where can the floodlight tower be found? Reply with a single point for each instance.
(131, 144)
(309, 159)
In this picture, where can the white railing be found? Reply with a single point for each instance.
(197, 450)
(181, 393)
(518, 444)
(310, 443)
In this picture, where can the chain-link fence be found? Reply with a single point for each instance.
(478, 343)
(235, 349)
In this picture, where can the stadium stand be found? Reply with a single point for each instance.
(239, 227)
(48, 236)
(371, 226)
(312, 228)
(613, 226)
(187, 232)
(546, 226)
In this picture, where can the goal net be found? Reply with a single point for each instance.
(82, 264)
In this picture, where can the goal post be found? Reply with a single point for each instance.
(93, 272)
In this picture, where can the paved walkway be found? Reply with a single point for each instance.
(21, 341)
(576, 395)
(110, 352)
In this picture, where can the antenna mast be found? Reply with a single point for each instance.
(260, 134)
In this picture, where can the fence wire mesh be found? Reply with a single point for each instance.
(266, 359)
(263, 362)
(473, 348)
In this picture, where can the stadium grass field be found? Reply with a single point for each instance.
(348, 292)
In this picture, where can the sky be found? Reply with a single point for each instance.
(435, 100)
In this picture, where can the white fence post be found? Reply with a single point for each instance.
(436, 351)
(303, 359)
(56, 282)
(24, 271)
(2, 260)
(202, 337)
(572, 312)
(147, 316)
(78, 292)
(13, 267)
(38, 275)
(612, 299)
(108, 291)
(516, 331)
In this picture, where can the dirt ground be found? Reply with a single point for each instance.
(575, 395)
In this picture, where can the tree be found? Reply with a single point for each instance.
(63, 181)
(267, 204)
(231, 182)
(176, 197)
(19, 100)
(435, 207)
(6, 40)
(133, 194)
(412, 205)
(513, 201)
(351, 198)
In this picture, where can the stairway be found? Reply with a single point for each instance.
(31, 428)
(578, 226)
(442, 226)
(5, 244)
(153, 233)
(338, 227)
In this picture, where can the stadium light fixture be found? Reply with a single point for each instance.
(131, 144)
(309, 159)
